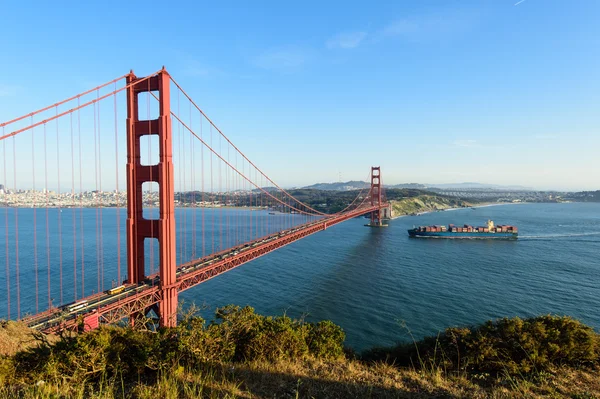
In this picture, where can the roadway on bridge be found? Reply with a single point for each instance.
(188, 275)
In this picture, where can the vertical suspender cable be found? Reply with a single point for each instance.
(220, 201)
(193, 186)
(259, 221)
(184, 166)
(118, 194)
(228, 201)
(248, 215)
(47, 226)
(101, 240)
(212, 194)
(262, 197)
(202, 188)
(181, 193)
(58, 211)
(81, 200)
(96, 199)
(237, 211)
(241, 200)
(243, 222)
(17, 234)
(252, 204)
(256, 203)
(267, 232)
(250, 201)
(6, 231)
(35, 254)
(73, 213)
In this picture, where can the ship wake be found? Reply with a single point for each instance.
(547, 236)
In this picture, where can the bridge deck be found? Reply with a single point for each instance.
(134, 298)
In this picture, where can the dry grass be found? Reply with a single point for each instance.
(353, 379)
(15, 337)
(312, 378)
(299, 376)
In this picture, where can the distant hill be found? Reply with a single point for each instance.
(418, 186)
(268, 189)
(584, 196)
(340, 186)
(357, 185)
(471, 185)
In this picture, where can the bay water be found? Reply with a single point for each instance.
(381, 286)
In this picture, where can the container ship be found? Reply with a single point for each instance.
(451, 231)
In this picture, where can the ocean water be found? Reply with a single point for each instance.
(380, 285)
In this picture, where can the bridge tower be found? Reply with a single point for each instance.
(379, 215)
(139, 228)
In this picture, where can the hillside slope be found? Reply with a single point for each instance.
(424, 203)
(241, 354)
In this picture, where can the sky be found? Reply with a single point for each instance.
(498, 91)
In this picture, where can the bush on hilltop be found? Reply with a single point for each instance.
(237, 334)
(510, 346)
(241, 353)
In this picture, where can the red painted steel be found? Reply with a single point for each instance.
(138, 228)
(90, 321)
(376, 200)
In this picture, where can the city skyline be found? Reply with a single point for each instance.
(491, 92)
(154, 189)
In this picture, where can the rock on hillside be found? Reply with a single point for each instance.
(15, 336)
(424, 203)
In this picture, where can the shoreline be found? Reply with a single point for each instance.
(125, 207)
(484, 205)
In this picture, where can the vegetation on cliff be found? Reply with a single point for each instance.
(329, 201)
(405, 201)
(243, 354)
(425, 203)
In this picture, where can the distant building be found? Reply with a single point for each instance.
(1, 188)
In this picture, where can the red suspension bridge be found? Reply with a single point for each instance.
(79, 163)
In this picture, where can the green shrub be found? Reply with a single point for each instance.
(195, 343)
(239, 334)
(7, 370)
(124, 353)
(264, 337)
(512, 346)
(275, 338)
(326, 340)
(103, 353)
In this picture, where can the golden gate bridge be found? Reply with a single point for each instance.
(56, 257)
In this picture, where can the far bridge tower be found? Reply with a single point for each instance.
(382, 214)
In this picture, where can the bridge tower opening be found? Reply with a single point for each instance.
(139, 228)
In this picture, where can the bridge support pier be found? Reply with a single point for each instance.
(381, 214)
(138, 228)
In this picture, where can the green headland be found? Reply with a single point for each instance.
(241, 354)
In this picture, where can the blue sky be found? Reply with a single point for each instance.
(433, 91)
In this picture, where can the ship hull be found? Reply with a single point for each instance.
(473, 235)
